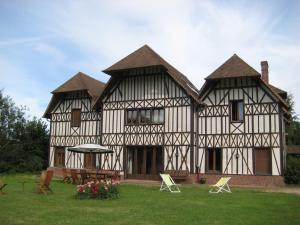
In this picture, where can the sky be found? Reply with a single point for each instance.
(44, 43)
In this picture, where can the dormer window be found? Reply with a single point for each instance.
(237, 111)
(75, 117)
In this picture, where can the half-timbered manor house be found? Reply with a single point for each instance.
(155, 119)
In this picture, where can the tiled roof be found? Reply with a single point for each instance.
(79, 82)
(147, 57)
(233, 67)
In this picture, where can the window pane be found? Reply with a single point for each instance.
(129, 117)
(161, 118)
(143, 116)
(237, 110)
(233, 111)
(75, 117)
(148, 116)
(155, 115)
(241, 111)
(134, 116)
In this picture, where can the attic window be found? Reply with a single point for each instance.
(75, 117)
(237, 111)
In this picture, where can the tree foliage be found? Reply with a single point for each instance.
(293, 128)
(292, 172)
(23, 142)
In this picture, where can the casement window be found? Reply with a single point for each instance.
(75, 117)
(237, 111)
(214, 160)
(59, 157)
(145, 116)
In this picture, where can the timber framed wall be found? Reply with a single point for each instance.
(198, 133)
(261, 128)
(148, 88)
(62, 134)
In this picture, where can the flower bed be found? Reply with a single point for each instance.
(104, 189)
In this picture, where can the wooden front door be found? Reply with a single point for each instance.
(263, 164)
(89, 161)
(59, 157)
(144, 162)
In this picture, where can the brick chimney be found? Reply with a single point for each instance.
(264, 71)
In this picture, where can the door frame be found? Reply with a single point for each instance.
(61, 150)
(92, 160)
(254, 160)
(143, 176)
(207, 160)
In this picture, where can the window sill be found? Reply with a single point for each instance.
(263, 174)
(237, 121)
(213, 172)
(144, 124)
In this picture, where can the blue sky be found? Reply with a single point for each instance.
(44, 43)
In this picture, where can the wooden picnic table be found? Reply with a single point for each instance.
(91, 173)
(87, 174)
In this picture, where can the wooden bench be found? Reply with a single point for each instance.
(178, 174)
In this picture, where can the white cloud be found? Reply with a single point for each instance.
(194, 36)
(191, 34)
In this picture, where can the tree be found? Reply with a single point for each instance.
(23, 142)
(293, 128)
(291, 103)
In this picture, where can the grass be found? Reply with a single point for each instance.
(144, 205)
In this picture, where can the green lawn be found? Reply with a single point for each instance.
(144, 205)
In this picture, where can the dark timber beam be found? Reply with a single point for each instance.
(192, 137)
(144, 164)
(135, 165)
(154, 161)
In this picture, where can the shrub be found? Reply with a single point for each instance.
(104, 189)
(202, 180)
(292, 172)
